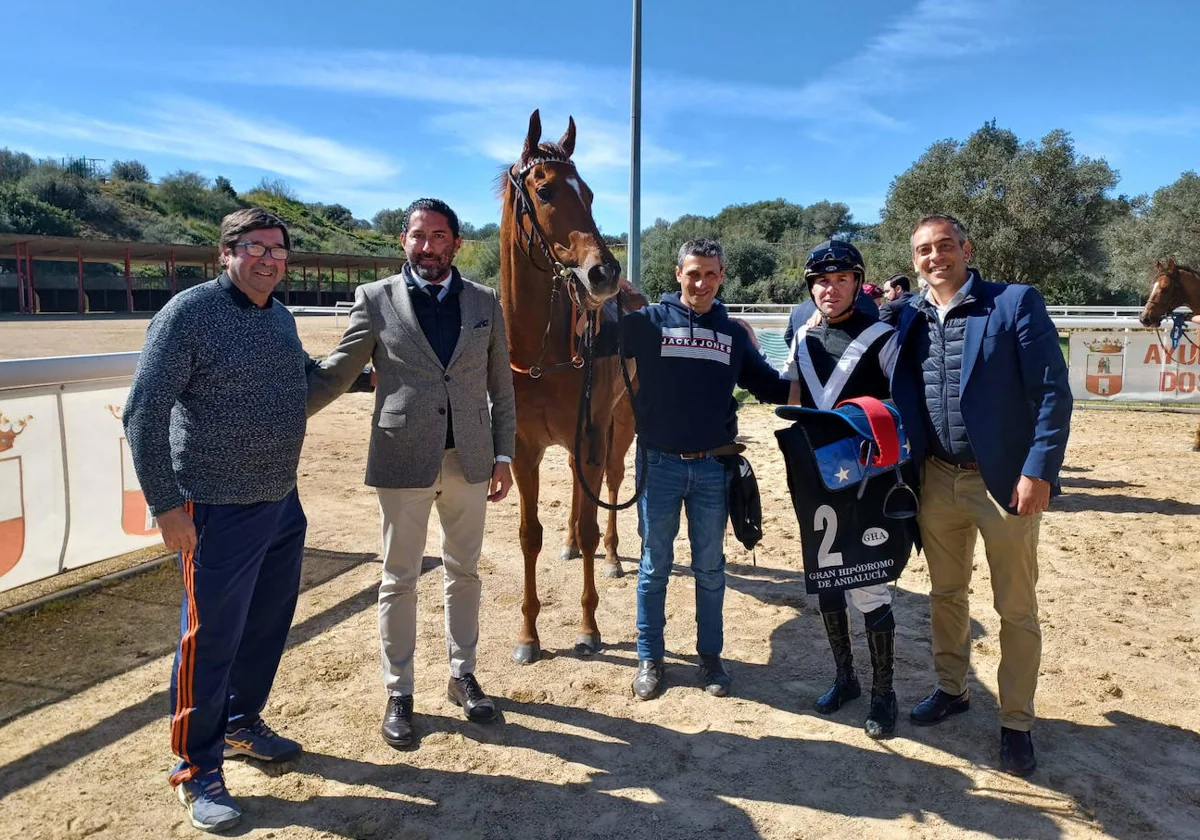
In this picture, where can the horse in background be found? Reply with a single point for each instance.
(1174, 285)
(555, 267)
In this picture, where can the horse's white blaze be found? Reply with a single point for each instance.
(575, 185)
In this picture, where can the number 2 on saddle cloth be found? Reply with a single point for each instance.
(852, 480)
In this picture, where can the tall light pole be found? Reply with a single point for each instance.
(634, 252)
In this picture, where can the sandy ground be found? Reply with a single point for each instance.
(83, 683)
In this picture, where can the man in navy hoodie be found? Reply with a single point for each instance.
(690, 355)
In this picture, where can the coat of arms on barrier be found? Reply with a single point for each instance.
(12, 495)
(1105, 366)
(136, 519)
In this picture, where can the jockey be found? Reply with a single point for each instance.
(845, 354)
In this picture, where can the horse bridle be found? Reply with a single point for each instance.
(1178, 322)
(583, 355)
(524, 209)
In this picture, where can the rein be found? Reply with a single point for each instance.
(583, 423)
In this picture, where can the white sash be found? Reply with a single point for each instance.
(826, 396)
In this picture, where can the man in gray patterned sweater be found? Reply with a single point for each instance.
(215, 422)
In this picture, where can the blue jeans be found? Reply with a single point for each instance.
(671, 484)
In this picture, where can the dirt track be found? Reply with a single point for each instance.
(83, 738)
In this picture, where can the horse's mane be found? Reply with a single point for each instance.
(552, 150)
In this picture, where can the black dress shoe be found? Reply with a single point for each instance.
(713, 676)
(1016, 752)
(465, 691)
(648, 683)
(397, 721)
(938, 706)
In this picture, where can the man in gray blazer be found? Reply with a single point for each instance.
(443, 432)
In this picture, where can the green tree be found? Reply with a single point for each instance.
(749, 261)
(660, 246)
(129, 170)
(1146, 229)
(1036, 211)
(389, 222)
(338, 214)
(223, 186)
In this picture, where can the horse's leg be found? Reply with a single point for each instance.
(525, 474)
(621, 433)
(1196, 445)
(570, 549)
(587, 536)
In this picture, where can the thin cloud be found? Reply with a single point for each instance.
(1123, 125)
(184, 129)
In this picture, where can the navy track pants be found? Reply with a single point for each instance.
(239, 593)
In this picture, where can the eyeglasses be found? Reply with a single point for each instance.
(253, 249)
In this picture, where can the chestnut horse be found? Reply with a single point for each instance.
(554, 266)
(1174, 285)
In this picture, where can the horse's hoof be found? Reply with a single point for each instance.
(587, 644)
(569, 552)
(527, 653)
(612, 570)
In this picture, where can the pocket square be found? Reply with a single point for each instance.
(481, 324)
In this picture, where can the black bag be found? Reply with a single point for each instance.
(745, 507)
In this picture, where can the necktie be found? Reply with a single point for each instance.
(434, 291)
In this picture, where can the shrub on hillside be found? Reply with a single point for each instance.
(14, 165)
(278, 188)
(189, 194)
(21, 212)
(133, 171)
(65, 190)
(184, 193)
(174, 230)
(135, 193)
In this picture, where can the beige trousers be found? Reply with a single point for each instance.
(955, 508)
(404, 514)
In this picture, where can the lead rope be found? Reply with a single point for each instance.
(584, 421)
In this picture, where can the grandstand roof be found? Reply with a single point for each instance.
(70, 249)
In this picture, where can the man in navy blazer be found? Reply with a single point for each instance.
(981, 386)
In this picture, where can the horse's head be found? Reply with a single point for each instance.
(1166, 293)
(552, 212)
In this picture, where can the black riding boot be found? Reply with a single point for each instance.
(881, 720)
(845, 685)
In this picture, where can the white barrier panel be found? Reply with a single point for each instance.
(33, 498)
(68, 493)
(1134, 366)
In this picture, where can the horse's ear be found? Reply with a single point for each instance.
(533, 137)
(1159, 267)
(1170, 263)
(568, 139)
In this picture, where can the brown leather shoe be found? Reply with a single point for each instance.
(464, 691)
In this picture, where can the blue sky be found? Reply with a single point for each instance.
(372, 103)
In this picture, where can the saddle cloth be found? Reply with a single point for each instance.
(851, 480)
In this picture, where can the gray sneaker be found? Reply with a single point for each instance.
(260, 741)
(208, 803)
